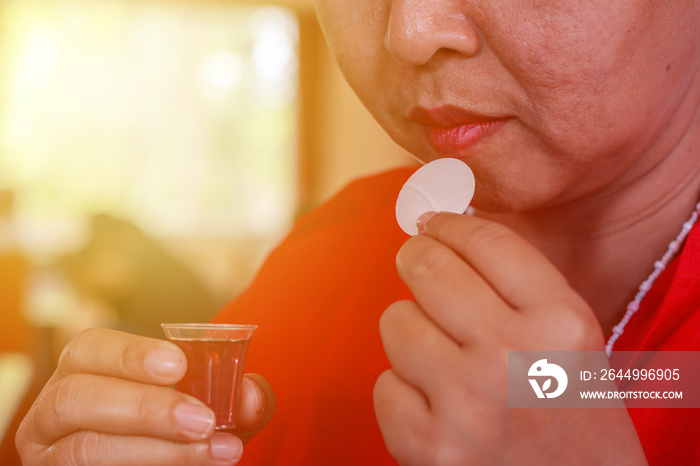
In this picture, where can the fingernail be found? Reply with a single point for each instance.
(195, 418)
(259, 397)
(162, 362)
(226, 447)
(422, 222)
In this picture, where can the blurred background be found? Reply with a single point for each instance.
(151, 154)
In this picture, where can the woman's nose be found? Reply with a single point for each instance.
(418, 29)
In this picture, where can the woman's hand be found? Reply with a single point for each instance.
(108, 403)
(482, 291)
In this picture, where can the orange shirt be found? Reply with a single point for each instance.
(318, 299)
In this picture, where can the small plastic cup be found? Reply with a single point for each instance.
(215, 356)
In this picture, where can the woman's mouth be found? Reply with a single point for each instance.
(452, 130)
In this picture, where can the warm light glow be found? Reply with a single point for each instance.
(180, 117)
(220, 73)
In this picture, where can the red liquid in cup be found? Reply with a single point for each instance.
(214, 373)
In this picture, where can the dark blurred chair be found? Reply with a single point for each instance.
(132, 273)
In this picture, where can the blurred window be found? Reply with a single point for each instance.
(180, 117)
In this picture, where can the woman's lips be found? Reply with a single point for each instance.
(452, 130)
(459, 138)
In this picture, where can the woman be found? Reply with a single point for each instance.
(580, 121)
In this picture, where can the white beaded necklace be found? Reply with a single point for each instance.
(659, 267)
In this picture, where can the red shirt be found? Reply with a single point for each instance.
(317, 301)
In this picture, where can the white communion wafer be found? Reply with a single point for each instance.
(443, 185)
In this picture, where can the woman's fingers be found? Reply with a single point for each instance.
(518, 272)
(454, 294)
(118, 354)
(417, 349)
(86, 402)
(502, 266)
(107, 404)
(256, 407)
(404, 416)
(85, 448)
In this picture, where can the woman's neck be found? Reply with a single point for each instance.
(607, 243)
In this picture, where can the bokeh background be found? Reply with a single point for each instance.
(151, 154)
